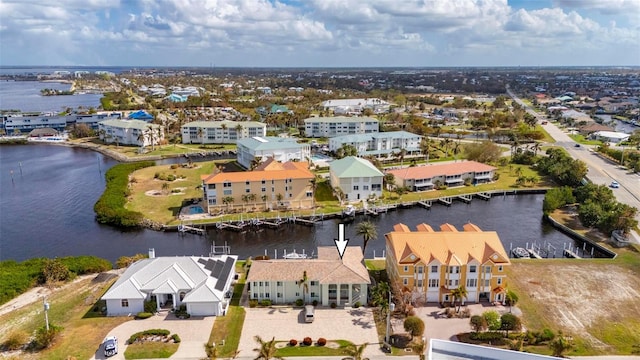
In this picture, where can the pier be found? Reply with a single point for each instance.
(465, 198)
(190, 229)
(425, 204)
(570, 254)
(445, 200)
(483, 196)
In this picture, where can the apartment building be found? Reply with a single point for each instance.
(339, 125)
(433, 263)
(378, 144)
(220, 132)
(272, 185)
(427, 177)
(261, 148)
(357, 178)
(130, 132)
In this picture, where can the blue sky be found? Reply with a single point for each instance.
(320, 33)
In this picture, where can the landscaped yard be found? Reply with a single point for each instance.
(150, 350)
(229, 328)
(333, 348)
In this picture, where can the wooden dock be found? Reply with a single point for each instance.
(465, 198)
(445, 200)
(534, 253)
(303, 221)
(570, 254)
(190, 229)
(425, 204)
(484, 196)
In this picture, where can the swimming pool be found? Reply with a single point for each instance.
(193, 210)
(320, 157)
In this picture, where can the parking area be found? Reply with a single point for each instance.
(285, 323)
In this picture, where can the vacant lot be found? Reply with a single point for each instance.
(595, 301)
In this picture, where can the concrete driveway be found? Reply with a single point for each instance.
(194, 333)
(286, 323)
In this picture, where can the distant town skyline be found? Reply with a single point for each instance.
(320, 33)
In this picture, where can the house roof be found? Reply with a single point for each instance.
(371, 136)
(446, 246)
(140, 115)
(269, 170)
(340, 119)
(258, 143)
(328, 268)
(430, 171)
(352, 166)
(169, 275)
(229, 124)
(129, 124)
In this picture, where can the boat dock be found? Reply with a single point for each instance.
(190, 229)
(425, 204)
(570, 254)
(445, 200)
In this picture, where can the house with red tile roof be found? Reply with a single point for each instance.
(427, 177)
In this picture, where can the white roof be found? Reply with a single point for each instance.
(611, 134)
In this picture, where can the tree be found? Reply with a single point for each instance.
(380, 297)
(492, 318)
(355, 352)
(54, 270)
(419, 348)
(313, 183)
(556, 198)
(368, 231)
(201, 135)
(459, 293)
(484, 152)
(508, 322)
(228, 200)
(389, 180)
(478, 323)
(560, 344)
(267, 349)
(511, 298)
(304, 283)
(414, 325)
(346, 150)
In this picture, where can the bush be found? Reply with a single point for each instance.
(357, 304)
(150, 306)
(314, 302)
(16, 340)
(293, 342)
(175, 338)
(307, 341)
(151, 332)
(143, 315)
(414, 325)
(322, 342)
(253, 303)
(334, 305)
(44, 338)
(299, 302)
(265, 302)
(487, 336)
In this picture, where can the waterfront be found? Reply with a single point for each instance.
(25, 96)
(47, 210)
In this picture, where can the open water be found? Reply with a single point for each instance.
(47, 193)
(25, 96)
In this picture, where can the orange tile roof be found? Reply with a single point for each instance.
(423, 227)
(448, 227)
(430, 171)
(277, 171)
(447, 247)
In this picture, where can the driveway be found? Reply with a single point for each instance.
(286, 323)
(194, 333)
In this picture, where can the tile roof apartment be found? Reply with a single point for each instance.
(433, 263)
(421, 178)
(272, 185)
(331, 279)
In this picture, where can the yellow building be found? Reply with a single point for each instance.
(272, 185)
(433, 263)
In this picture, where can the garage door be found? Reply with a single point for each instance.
(202, 309)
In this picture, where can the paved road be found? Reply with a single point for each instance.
(601, 171)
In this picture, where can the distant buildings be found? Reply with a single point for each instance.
(421, 178)
(357, 178)
(220, 132)
(355, 106)
(378, 144)
(130, 132)
(609, 136)
(431, 264)
(260, 148)
(272, 185)
(26, 122)
(339, 125)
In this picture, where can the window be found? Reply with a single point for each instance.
(434, 283)
(344, 292)
(454, 283)
(420, 269)
(255, 283)
(124, 303)
(355, 187)
(333, 292)
(226, 184)
(419, 283)
(365, 187)
(309, 194)
(264, 189)
(313, 295)
(227, 192)
(499, 267)
(472, 268)
(471, 283)
(434, 268)
(487, 269)
(454, 269)
(406, 268)
(182, 295)
(499, 281)
(313, 283)
(260, 283)
(487, 282)
(266, 295)
(297, 293)
(405, 281)
(446, 298)
(266, 283)
(263, 182)
(279, 283)
(279, 295)
(247, 190)
(246, 183)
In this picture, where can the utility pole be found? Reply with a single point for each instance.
(392, 307)
(46, 312)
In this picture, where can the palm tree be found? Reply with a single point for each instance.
(228, 200)
(456, 151)
(264, 198)
(140, 138)
(461, 294)
(267, 349)
(419, 348)
(201, 135)
(239, 129)
(313, 183)
(355, 352)
(368, 231)
(425, 146)
(304, 282)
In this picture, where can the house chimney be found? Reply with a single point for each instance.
(152, 253)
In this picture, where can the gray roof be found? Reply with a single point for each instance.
(352, 166)
(228, 123)
(164, 275)
(379, 135)
(269, 143)
(128, 124)
(341, 119)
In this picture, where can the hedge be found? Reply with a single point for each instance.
(150, 332)
(110, 208)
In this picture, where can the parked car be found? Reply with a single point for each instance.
(309, 313)
(110, 344)
(577, 145)
(614, 185)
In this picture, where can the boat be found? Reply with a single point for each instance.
(520, 253)
(349, 211)
(294, 255)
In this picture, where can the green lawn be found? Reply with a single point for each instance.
(229, 327)
(375, 264)
(150, 350)
(581, 139)
(314, 350)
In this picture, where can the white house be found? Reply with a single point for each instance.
(130, 132)
(329, 279)
(378, 144)
(357, 178)
(339, 125)
(220, 132)
(201, 283)
(610, 136)
(356, 106)
(261, 148)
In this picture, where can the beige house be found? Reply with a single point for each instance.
(272, 185)
(330, 279)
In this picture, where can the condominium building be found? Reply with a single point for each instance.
(220, 132)
(378, 144)
(339, 125)
(272, 185)
(25, 122)
(434, 263)
(357, 178)
(427, 177)
(260, 148)
(130, 132)
(356, 106)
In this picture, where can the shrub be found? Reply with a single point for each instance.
(307, 341)
(293, 342)
(487, 336)
(16, 340)
(414, 325)
(174, 166)
(334, 305)
(44, 338)
(322, 342)
(357, 304)
(314, 302)
(299, 302)
(465, 313)
(265, 302)
(150, 306)
(253, 303)
(175, 338)
(151, 332)
(143, 315)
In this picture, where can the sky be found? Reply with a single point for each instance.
(320, 33)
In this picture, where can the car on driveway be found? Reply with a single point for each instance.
(110, 344)
(614, 185)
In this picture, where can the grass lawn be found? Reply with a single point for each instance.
(580, 139)
(229, 327)
(314, 350)
(375, 264)
(150, 350)
(71, 308)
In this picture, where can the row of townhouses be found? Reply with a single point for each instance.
(26, 122)
(378, 143)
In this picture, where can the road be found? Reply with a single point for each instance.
(601, 171)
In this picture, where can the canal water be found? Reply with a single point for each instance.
(47, 193)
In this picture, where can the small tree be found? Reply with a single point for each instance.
(492, 318)
(478, 323)
(511, 298)
(560, 344)
(414, 325)
(267, 349)
(508, 322)
(355, 352)
(54, 270)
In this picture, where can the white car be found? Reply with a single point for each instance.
(110, 345)
(614, 185)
